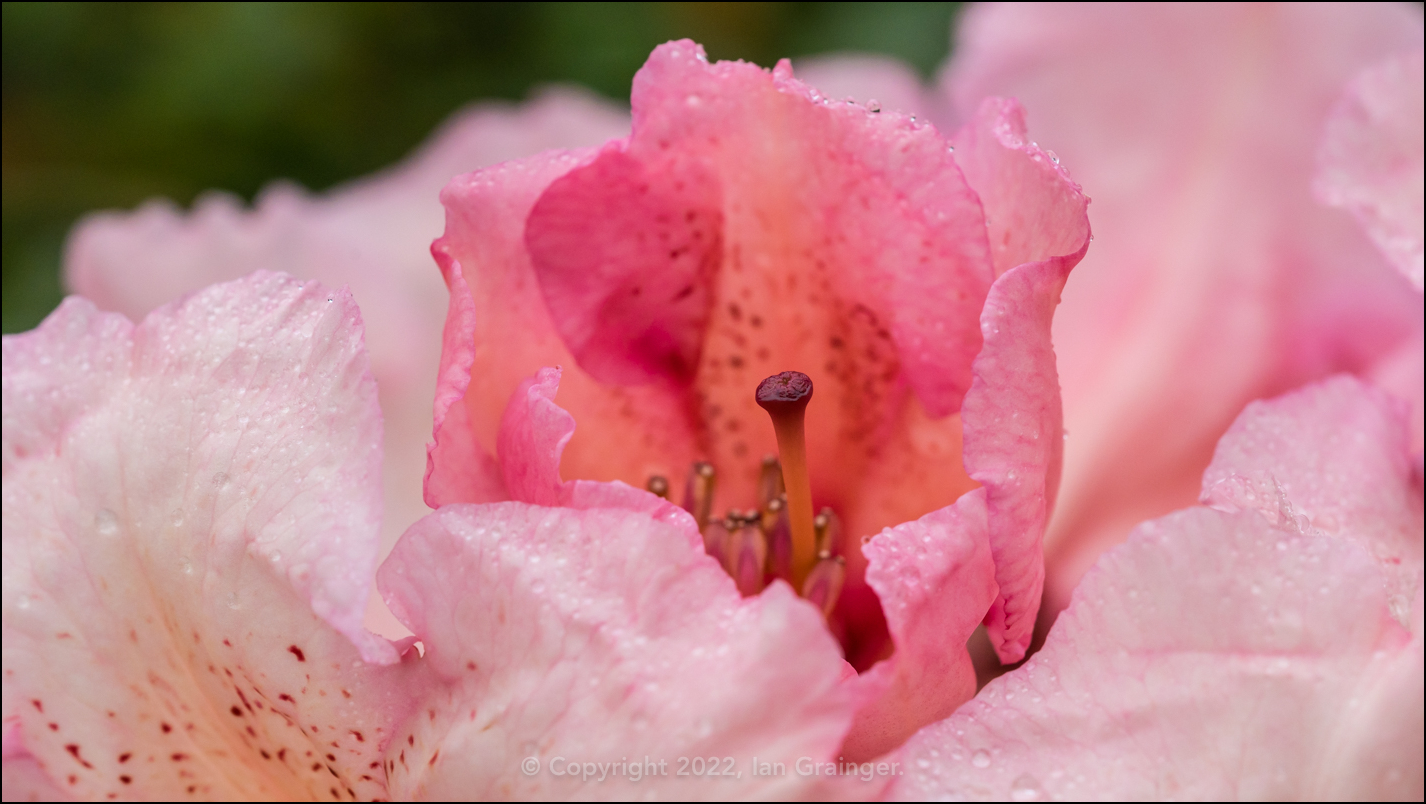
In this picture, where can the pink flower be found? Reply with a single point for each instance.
(236, 550)
(749, 226)
(1266, 645)
(371, 235)
(1215, 278)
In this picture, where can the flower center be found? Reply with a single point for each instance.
(781, 538)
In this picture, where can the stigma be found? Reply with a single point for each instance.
(779, 538)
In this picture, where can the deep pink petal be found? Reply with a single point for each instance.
(1246, 653)
(934, 578)
(629, 289)
(596, 636)
(1215, 277)
(191, 511)
(1013, 434)
(532, 438)
(500, 333)
(1371, 158)
(850, 248)
(371, 235)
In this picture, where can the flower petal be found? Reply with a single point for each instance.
(190, 524)
(934, 578)
(371, 235)
(1215, 277)
(494, 293)
(1013, 432)
(1333, 456)
(1218, 653)
(600, 636)
(1371, 162)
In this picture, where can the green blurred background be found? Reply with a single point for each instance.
(106, 105)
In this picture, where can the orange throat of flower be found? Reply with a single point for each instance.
(781, 538)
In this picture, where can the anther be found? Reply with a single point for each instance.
(785, 396)
(658, 484)
(824, 583)
(698, 496)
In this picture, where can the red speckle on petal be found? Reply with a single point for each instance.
(296, 651)
(166, 728)
(124, 757)
(73, 749)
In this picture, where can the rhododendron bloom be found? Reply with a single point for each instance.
(1267, 645)
(749, 226)
(1215, 278)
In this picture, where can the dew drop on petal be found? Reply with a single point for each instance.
(1024, 788)
(980, 759)
(106, 523)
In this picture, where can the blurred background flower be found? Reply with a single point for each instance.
(108, 105)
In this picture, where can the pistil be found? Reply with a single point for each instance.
(785, 396)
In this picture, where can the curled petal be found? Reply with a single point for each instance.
(562, 637)
(1014, 437)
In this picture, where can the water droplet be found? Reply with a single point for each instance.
(1024, 788)
(873, 106)
(106, 523)
(980, 759)
(923, 763)
(693, 101)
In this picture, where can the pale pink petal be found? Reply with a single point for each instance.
(1210, 657)
(600, 636)
(191, 516)
(1399, 372)
(1239, 653)
(1013, 434)
(876, 82)
(1215, 277)
(371, 235)
(24, 780)
(1333, 456)
(1371, 158)
(933, 577)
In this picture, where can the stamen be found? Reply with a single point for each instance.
(824, 583)
(779, 538)
(770, 481)
(698, 497)
(785, 396)
(658, 484)
(747, 553)
(715, 540)
(828, 527)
